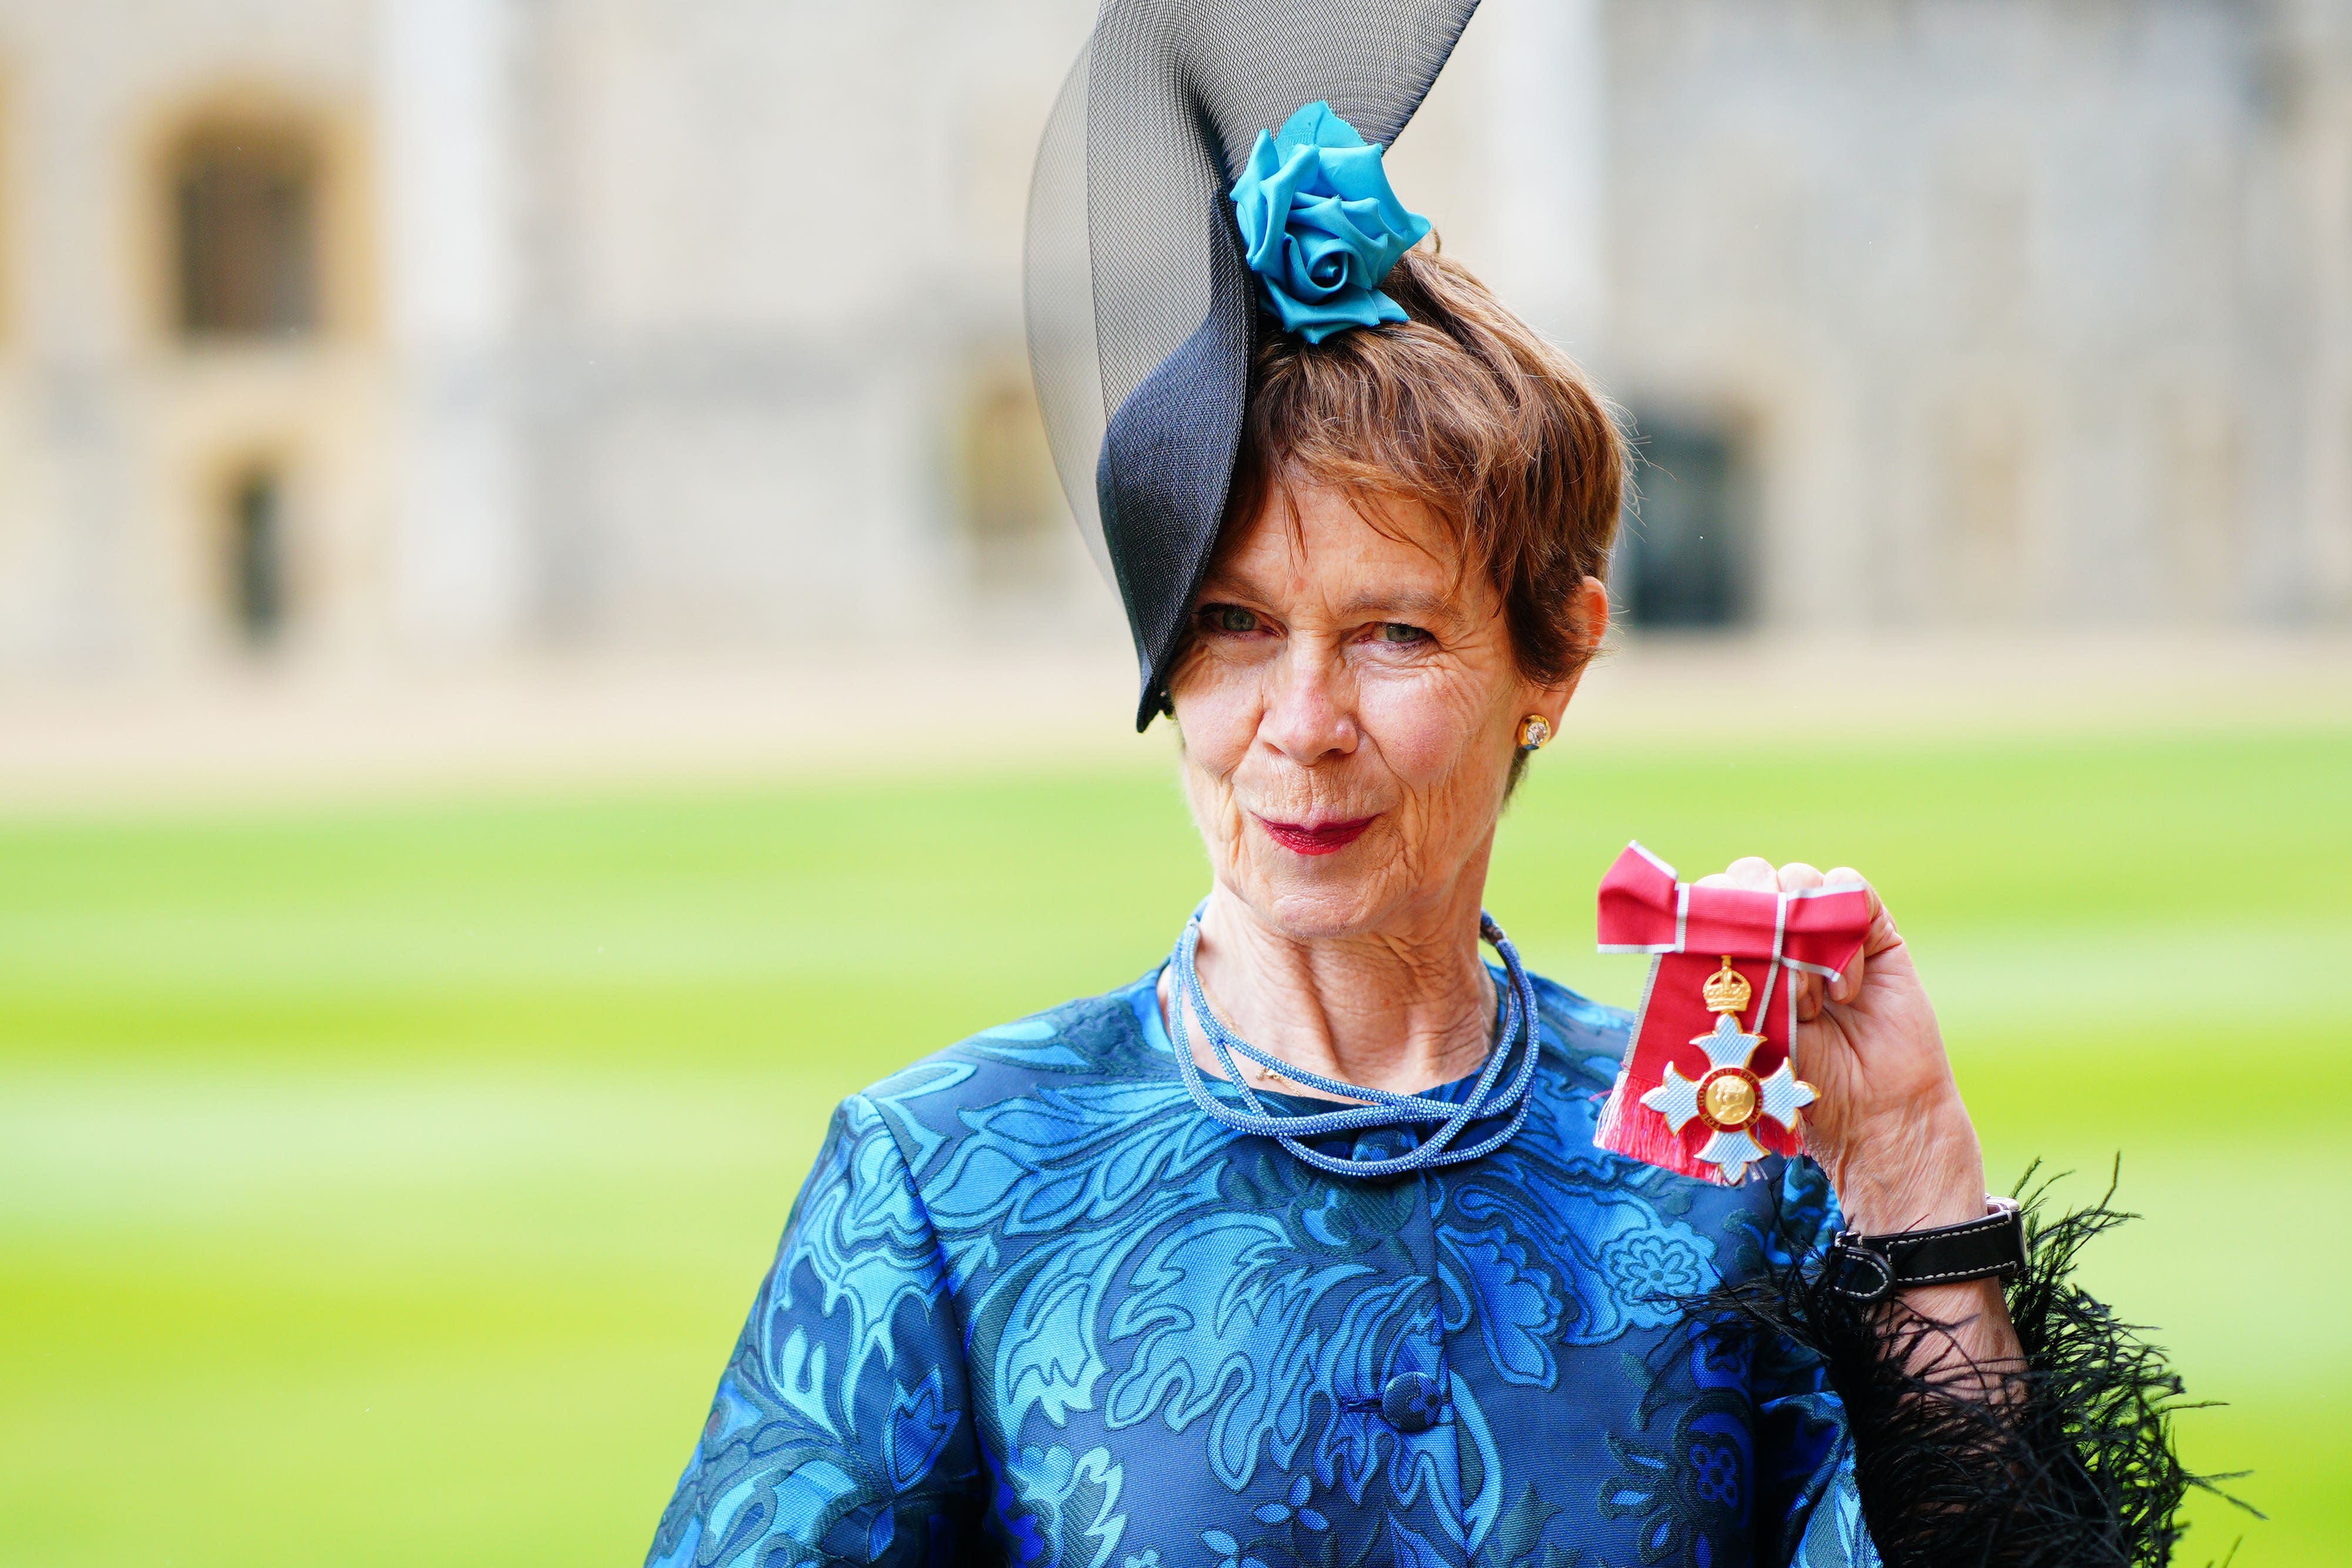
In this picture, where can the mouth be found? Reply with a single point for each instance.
(1316, 838)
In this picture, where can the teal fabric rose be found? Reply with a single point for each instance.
(1320, 226)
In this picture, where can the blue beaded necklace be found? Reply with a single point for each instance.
(1386, 1109)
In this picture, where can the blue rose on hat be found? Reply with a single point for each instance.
(1320, 226)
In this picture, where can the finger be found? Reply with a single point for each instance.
(1749, 872)
(1807, 990)
(1797, 876)
(1880, 935)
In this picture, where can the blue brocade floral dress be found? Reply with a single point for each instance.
(1035, 1306)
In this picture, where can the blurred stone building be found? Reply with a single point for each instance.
(2024, 310)
(364, 329)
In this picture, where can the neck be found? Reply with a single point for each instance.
(1403, 1008)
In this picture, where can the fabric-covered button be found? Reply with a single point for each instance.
(1412, 1401)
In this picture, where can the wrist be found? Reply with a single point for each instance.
(1913, 1178)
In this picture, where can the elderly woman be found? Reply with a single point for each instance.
(1298, 1248)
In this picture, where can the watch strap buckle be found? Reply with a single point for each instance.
(1848, 1249)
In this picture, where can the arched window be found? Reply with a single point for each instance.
(245, 216)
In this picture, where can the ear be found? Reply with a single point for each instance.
(1591, 625)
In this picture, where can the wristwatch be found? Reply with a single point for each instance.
(1867, 1268)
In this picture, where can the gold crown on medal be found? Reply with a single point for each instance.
(1726, 991)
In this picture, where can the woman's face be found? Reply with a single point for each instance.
(1350, 707)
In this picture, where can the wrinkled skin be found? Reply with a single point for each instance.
(1343, 668)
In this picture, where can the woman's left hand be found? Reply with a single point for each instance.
(1888, 1124)
(1888, 1127)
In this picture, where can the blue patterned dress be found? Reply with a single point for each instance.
(1034, 1306)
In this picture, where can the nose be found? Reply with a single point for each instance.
(1311, 712)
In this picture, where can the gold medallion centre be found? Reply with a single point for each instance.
(1728, 1099)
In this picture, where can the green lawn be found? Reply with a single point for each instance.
(386, 1184)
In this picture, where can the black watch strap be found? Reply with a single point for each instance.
(1872, 1268)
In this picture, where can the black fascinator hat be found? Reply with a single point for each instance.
(1148, 275)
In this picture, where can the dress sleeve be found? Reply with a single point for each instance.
(1877, 1463)
(1809, 1504)
(841, 1430)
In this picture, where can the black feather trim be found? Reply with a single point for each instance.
(2066, 1462)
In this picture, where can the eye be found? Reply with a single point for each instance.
(1397, 634)
(1227, 618)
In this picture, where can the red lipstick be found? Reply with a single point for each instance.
(1315, 838)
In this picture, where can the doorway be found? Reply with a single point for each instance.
(1684, 555)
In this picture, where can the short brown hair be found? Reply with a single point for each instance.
(1465, 409)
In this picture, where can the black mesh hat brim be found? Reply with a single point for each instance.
(1141, 313)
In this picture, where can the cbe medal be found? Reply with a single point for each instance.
(1701, 1092)
(1728, 1098)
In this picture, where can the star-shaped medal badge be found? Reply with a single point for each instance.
(1727, 1098)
